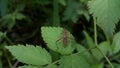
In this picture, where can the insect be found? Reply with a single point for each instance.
(64, 37)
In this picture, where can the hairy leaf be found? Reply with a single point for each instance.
(55, 55)
(73, 61)
(105, 47)
(30, 54)
(100, 65)
(116, 43)
(107, 13)
(71, 11)
(83, 52)
(89, 40)
(53, 36)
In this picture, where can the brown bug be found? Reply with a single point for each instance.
(64, 37)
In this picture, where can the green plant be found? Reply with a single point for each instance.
(37, 57)
(9, 19)
(62, 50)
(107, 14)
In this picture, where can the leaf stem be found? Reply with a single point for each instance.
(52, 63)
(71, 54)
(96, 43)
(84, 51)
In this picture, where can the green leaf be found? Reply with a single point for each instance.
(85, 13)
(8, 20)
(83, 52)
(90, 43)
(30, 54)
(100, 65)
(89, 40)
(52, 66)
(20, 7)
(63, 2)
(2, 35)
(73, 61)
(107, 13)
(116, 43)
(55, 55)
(71, 11)
(19, 16)
(53, 38)
(116, 65)
(104, 46)
(29, 66)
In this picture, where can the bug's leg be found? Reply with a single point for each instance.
(58, 41)
(71, 37)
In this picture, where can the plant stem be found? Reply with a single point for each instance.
(7, 58)
(9, 41)
(96, 43)
(56, 18)
(95, 32)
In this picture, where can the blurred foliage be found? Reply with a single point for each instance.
(20, 22)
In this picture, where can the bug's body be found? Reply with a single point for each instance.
(64, 36)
